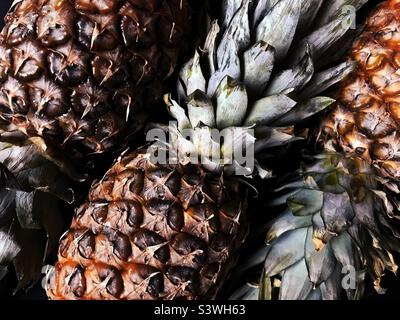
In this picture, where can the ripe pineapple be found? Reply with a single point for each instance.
(338, 223)
(151, 230)
(76, 79)
(365, 121)
(82, 75)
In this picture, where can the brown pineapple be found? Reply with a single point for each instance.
(366, 120)
(78, 74)
(150, 232)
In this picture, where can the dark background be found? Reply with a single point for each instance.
(4, 5)
(391, 282)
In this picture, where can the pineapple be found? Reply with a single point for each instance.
(81, 75)
(155, 230)
(338, 225)
(77, 79)
(365, 121)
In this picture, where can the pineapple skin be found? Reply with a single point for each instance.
(151, 232)
(366, 119)
(78, 74)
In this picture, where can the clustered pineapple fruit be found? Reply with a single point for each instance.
(78, 78)
(171, 231)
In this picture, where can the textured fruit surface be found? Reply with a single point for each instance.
(173, 231)
(150, 232)
(366, 121)
(79, 73)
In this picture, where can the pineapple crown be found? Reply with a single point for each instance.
(334, 230)
(259, 73)
(31, 207)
